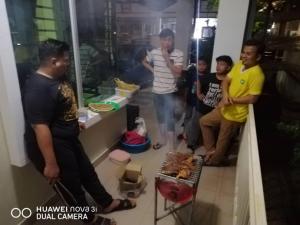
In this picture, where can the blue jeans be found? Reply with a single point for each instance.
(164, 107)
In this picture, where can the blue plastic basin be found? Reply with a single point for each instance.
(134, 149)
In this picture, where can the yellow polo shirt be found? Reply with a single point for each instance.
(243, 83)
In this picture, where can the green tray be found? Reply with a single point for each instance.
(116, 106)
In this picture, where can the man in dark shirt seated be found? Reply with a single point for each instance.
(209, 90)
(52, 131)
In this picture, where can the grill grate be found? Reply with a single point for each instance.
(192, 181)
(193, 178)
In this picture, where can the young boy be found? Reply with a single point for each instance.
(208, 93)
(209, 90)
(191, 128)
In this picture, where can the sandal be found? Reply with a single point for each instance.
(103, 221)
(210, 164)
(157, 146)
(181, 137)
(221, 164)
(125, 204)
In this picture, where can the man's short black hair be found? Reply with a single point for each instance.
(202, 58)
(52, 48)
(225, 58)
(258, 44)
(166, 33)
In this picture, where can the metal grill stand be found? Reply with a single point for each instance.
(172, 208)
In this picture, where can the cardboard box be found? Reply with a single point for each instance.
(126, 185)
(134, 193)
(133, 172)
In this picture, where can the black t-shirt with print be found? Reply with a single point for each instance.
(211, 88)
(52, 102)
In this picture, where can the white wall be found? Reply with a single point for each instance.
(232, 17)
(19, 187)
(104, 134)
(10, 97)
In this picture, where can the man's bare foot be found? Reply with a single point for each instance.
(208, 156)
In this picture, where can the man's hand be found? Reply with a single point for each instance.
(225, 100)
(165, 55)
(201, 97)
(51, 172)
(175, 69)
(81, 126)
(231, 100)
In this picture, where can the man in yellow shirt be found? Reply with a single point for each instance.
(242, 87)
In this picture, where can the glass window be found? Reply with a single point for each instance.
(293, 28)
(115, 35)
(204, 31)
(96, 46)
(32, 22)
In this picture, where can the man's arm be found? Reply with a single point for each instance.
(249, 99)
(200, 96)
(147, 65)
(255, 90)
(225, 87)
(44, 140)
(175, 69)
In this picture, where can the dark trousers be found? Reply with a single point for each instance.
(76, 172)
(192, 127)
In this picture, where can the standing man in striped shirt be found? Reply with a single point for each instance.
(167, 67)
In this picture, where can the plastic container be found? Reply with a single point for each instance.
(119, 157)
(134, 149)
(175, 192)
(125, 93)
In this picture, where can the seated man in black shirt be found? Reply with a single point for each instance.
(209, 90)
(51, 135)
(209, 86)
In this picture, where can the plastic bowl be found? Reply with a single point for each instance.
(175, 192)
(134, 149)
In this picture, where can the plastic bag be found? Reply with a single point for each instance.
(141, 126)
(133, 138)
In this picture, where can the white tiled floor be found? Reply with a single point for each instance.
(214, 202)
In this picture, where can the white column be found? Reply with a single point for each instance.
(232, 18)
(75, 42)
(10, 96)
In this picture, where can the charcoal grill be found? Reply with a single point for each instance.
(172, 207)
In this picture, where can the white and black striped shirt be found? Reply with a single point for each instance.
(164, 81)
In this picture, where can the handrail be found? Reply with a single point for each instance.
(249, 206)
(256, 192)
